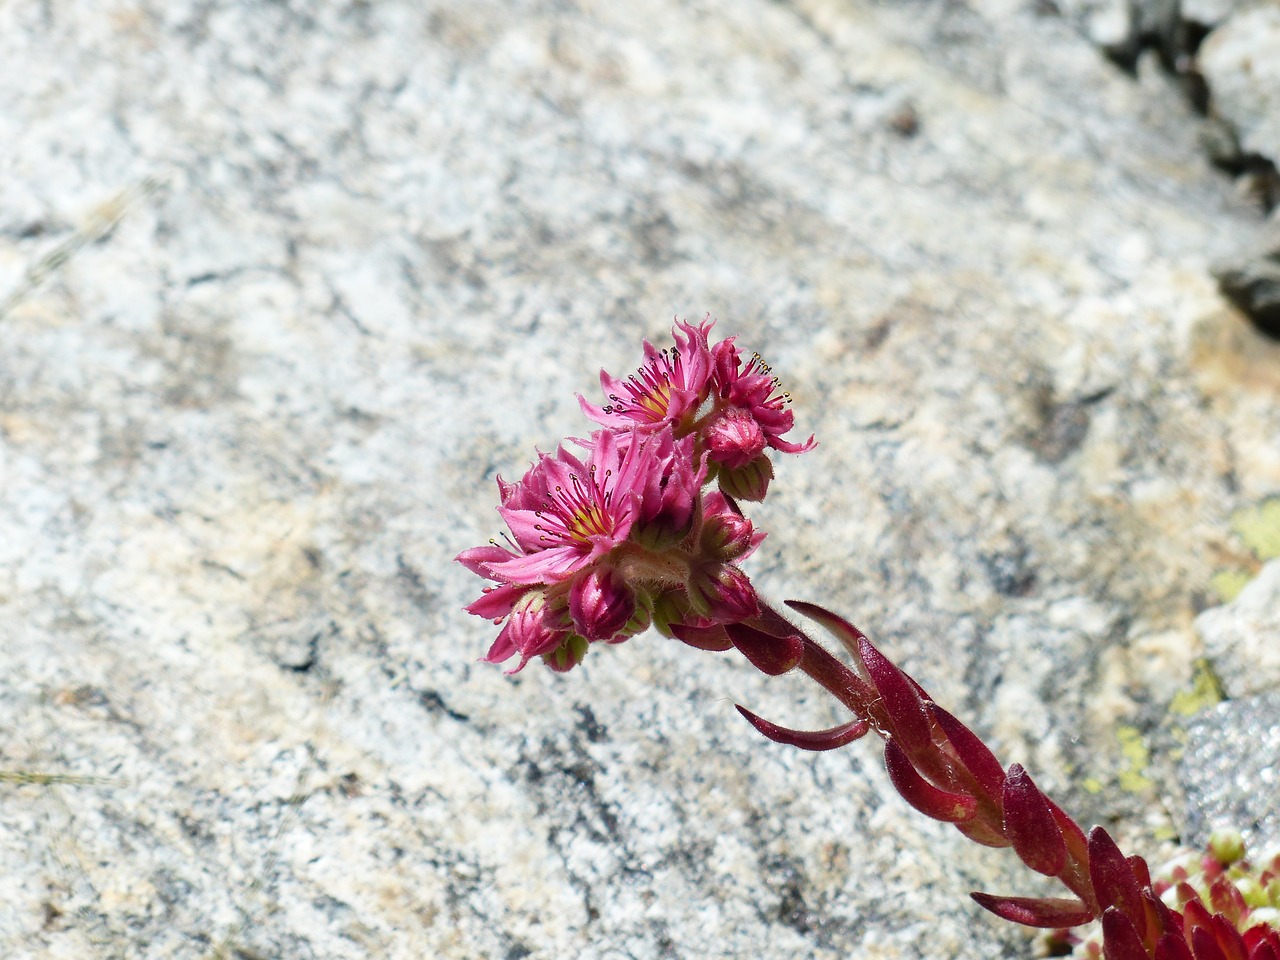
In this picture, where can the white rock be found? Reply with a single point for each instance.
(1241, 62)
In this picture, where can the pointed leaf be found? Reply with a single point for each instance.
(1044, 912)
(1076, 876)
(1113, 879)
(1205, 945)
(1141, 872)
(769, 654)
(1194, 914)
(923, 795)
(1172, 947)
(1120, 939)
(1264, 951)
(973, 754)
(1187, 894)
(979, 831)
(1228, 938)
(1225, 899)
(905, 710)
(1261, 935)
(1029, 823)
(1160, 919)
(836, 625)
(808, 739)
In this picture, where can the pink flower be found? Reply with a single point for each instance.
(558, 581)
(751, 410)
(566, 513)
(667, 389)
(674, 478)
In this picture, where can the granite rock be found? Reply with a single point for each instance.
(1230, 769)
(1242, 639)
(284, 287)
(1241, 62)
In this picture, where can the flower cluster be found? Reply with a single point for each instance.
(631, 531)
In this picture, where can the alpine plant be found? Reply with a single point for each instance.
(638, 525)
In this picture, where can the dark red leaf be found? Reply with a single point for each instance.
(1205, 945)
(836, 625)
(769, 654)
(1120, 938)
(1187, 894)
(1228, 938)
(920, 793)
(1160, 919)
(1141, 872)
(979, 831)
(808, 739)
(972, 753)
(1113, 879)
(1194, 914)
(1259, 936)
(1045, 912)
(904, 709)
(704, 638)
(1172, 947)
(1029, 823)
(1264, 951)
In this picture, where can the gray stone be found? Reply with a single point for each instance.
(1207, 13)
(1241, 62)
(1230, 769)
(1242, 639)
(285, 286)
(1252, 282)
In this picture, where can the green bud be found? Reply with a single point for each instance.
(1226, 845)
(568, 655)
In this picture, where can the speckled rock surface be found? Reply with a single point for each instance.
(283, 290)
(1231, 772)
(1242, 639)
(1241, 61)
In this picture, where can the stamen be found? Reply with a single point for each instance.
(650, 388)
(757, 367)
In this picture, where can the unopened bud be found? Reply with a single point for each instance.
(670, 607)
(723, 593)
(734, 438)
(1226, 845)
(600, 603)
(726, 533)
(749, 482)
(568, 655)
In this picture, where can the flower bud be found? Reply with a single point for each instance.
(1226, 845)
(734, 438)
(749, 482)
(533, 628)
(726, 533)
(670, 607)
(600, 603)
(568, 655)
(723, 593)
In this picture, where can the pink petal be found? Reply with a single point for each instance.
(546, 566)
(498, 601)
